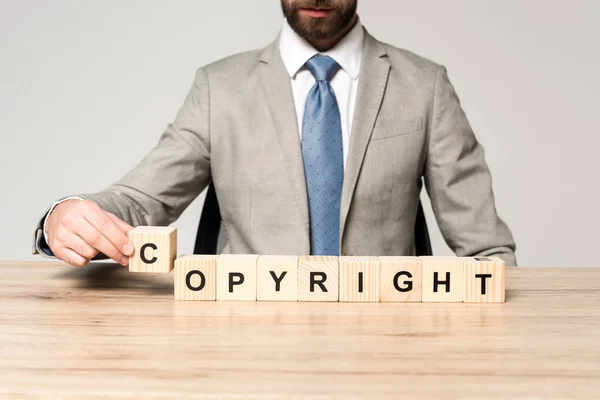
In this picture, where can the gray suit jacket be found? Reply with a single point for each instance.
(238, 128)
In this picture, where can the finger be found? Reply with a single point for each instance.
(98, 241)
(71, 257)
(106, 226)
(124, 226)
(81, 247)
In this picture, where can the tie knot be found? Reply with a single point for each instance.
(322, 67)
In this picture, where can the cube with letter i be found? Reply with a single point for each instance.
(236, 277)
(155, 249)
(443, 279)
(318, 278)
(196, 278)
(277, 278)
(485, 280)
(359, 279)
(400, 279)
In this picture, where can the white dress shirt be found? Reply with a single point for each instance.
(295, 52)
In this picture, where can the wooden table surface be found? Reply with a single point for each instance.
(102, 332)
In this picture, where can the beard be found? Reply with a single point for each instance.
(311, 28)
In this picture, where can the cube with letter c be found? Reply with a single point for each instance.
(155, 249)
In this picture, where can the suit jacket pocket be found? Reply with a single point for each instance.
(389, 129)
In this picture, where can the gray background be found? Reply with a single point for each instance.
(86, 88)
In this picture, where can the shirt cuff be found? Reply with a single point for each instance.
(52, 209)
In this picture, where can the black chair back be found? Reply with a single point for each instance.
(212, 237)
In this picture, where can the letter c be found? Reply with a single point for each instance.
(143, 253)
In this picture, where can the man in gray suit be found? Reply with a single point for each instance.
(316, 144)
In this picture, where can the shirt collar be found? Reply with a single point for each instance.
(295, 51)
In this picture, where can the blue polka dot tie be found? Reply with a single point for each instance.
(322, 152)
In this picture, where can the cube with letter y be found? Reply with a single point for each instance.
(236, 277)
(443, 279)
(359, 279)
(155, 249)
(277, 278)
(318, 278)
(196, 278)
(485, 280)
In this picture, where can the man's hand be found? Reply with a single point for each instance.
(79, 229)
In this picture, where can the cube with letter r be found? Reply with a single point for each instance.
(318, 278)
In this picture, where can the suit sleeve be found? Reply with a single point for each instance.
(459, 182)
(158, 189)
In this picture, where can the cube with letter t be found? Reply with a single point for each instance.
(236, 277)
(485, 280)
(155, 249)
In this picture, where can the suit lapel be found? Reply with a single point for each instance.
(371, 88)
(278, 90)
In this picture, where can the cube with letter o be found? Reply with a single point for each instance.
(196, 278)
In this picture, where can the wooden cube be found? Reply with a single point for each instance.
(443, 279)
(318, 278)
(155, 249)
(401, 279)
(359, 279)
(485, 280)
(236, 277)
(277, 278)
(196, 278)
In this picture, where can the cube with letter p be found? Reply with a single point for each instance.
(236, 277)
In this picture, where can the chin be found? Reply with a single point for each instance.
(316, 28)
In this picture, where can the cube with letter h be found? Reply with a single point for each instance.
(155, 249)
(443, 279)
